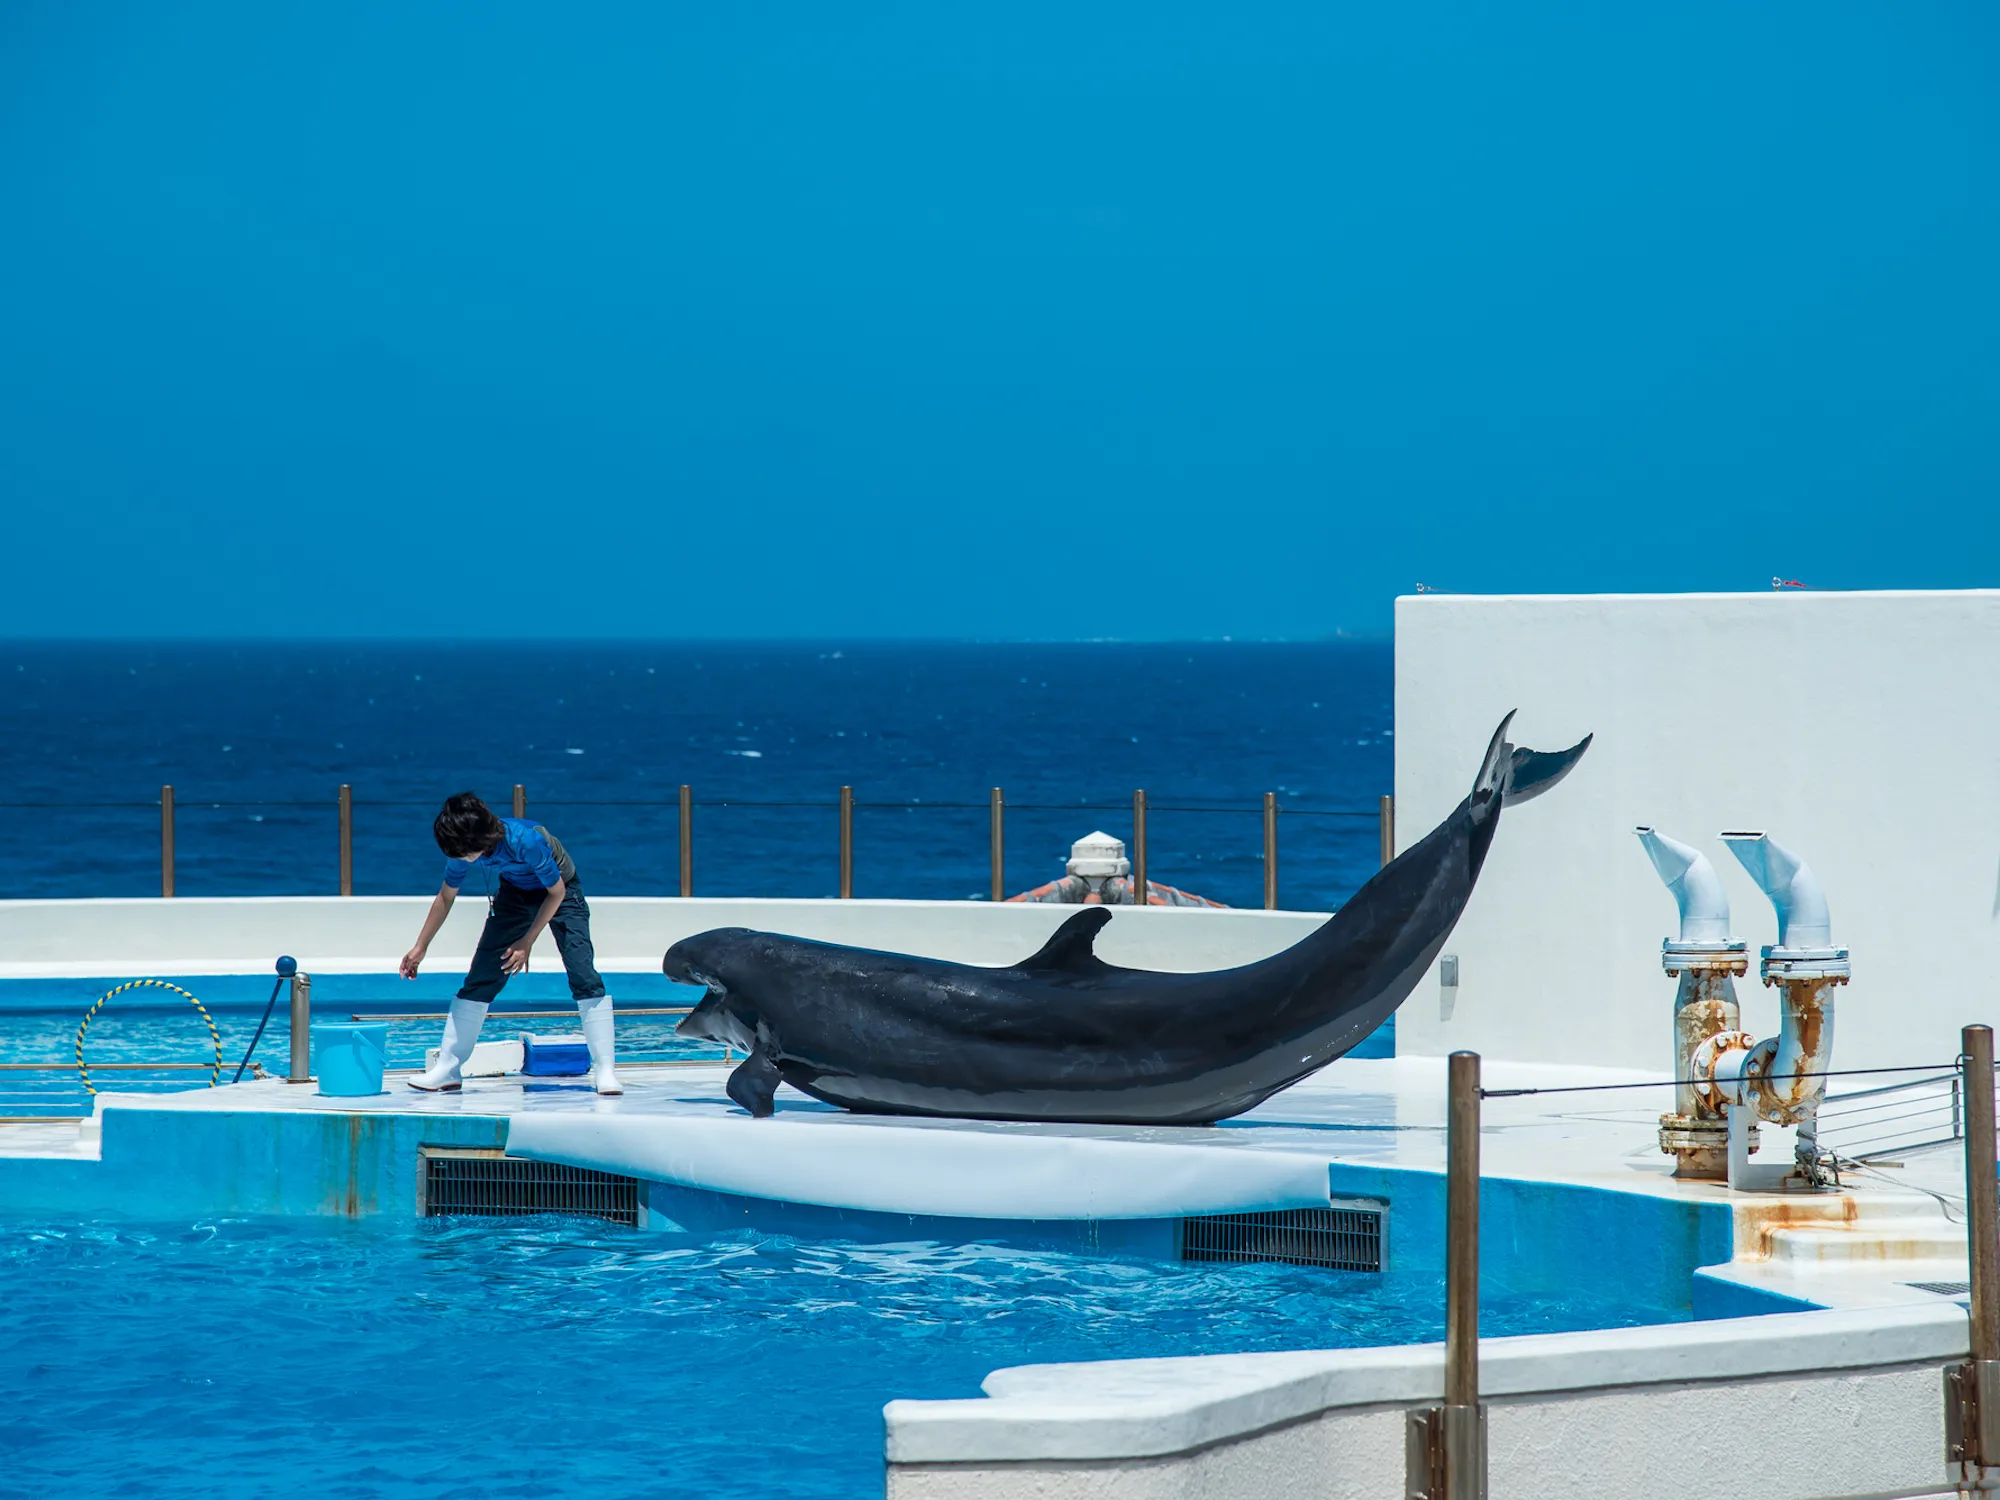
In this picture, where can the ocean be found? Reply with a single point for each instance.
(256, 738)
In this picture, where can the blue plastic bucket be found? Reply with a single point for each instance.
(348, 1056)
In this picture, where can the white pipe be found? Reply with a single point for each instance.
(1803, 920)
(1696, 888)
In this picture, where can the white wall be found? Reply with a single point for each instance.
(367, 934)
(1860, 730)
(1804, 1404)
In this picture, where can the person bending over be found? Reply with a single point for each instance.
(536, 888)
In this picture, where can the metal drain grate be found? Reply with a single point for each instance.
(511, 1187)
(1943, 1288)
(1343, 1239)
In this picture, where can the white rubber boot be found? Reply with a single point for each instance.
(598, 1035)
(461, 1030)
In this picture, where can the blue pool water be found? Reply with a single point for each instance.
(38, 1023)
(478, 1358)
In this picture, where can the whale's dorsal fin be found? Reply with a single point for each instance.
(1070, 949)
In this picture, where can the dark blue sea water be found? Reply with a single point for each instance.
(255, 740)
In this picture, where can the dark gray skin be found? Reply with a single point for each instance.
(1064, 1035)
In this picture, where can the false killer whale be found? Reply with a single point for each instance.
(1063, 1035)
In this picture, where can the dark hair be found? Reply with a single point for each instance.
(466, 826)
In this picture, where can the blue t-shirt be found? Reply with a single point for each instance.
(528, 856)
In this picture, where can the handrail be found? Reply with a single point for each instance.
(343, 804)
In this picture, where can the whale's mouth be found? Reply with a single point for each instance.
(711, 1020)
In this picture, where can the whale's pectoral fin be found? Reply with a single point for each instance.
(1533, 772)
(1070, 950)
(754, 1084)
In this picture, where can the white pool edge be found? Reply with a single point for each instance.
(1151, 1408)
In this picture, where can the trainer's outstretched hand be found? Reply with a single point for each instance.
(408, 967)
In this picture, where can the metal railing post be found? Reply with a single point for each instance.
(687, 840)
(1972, 1390)
(301, 1069)
(520, 800)
(846, 843)
(998, 814)
(346, 839)
(1270, 851)
(1142, 892)
(1445, 1446)
(166, 841)
(1386, 817)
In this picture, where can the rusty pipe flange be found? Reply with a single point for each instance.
(1695, 1133)
(1699, 1147)
(1784, 965)
(1701, 1066)
(1732, 957)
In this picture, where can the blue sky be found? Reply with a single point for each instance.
(1050, 320)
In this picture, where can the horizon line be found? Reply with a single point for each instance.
(1384, 637)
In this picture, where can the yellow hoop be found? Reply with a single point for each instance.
(83, 1070)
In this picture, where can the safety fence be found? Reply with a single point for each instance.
(1862, 1127)
(1876, 1124)
(680, 812)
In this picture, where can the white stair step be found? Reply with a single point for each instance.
(1914, 1241)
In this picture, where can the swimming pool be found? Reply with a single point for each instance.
(241, 1358)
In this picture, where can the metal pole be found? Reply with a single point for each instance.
(346, 839)
(1972, 1390)
(1445, 1446)
(1387, 818)
(1270, 851)
(520, 800)
(998, 807)
(1461, 1274)
(1141, 891)
(1982, 1195)
(166, 841)
(687, 840)
(1463, 1423)
(301, 1071)
(846, 843)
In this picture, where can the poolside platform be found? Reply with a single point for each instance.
(1572, 1181)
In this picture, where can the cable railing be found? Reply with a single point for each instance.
(343, 804)
(1865, 1127)
(1873, 1125)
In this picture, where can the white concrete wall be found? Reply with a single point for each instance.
(1804, 1404)
(1861, 730)
(367, 934)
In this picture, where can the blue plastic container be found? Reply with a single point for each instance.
(348, 1056)
(554, 1056)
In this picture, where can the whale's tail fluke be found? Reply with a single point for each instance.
(1514, 774)
(1532, 772)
